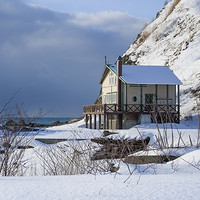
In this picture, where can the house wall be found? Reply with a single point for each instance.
(149, 89)
(106, 88)
(135, 91)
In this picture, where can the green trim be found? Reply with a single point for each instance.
(122, 80)
(122, 93)
(138, 85)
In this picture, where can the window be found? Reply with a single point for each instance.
(112, 79)
(111, 98)
(104, 99)
(115, 80)
(134, 98)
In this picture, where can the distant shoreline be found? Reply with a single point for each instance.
(50, 120)
(37, 122)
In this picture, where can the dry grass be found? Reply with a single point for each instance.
(175, 2)
(71, 158)
(141, 38)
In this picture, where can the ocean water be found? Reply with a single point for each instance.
(43, 120)
(50, 120)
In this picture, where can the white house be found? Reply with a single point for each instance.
(133, 94)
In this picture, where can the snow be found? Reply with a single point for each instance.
(140, 74)
(174, 40)
(176, 179)
(82, 187)
(69, 131)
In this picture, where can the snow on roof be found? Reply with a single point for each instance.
(145, 74)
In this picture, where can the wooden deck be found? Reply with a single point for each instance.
(128, 108)
(108, 112)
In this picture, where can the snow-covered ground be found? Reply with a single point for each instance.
(81, 187)
(178, 179)
(187, 128)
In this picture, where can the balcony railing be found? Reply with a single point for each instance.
(128, 108)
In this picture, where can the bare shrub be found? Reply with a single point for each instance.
(174, 166)
(70, 158)
(198, 113)
(14, 140)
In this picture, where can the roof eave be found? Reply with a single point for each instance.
(106, 69)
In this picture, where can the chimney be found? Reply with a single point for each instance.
(119, 66)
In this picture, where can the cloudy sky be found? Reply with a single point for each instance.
(52, 51)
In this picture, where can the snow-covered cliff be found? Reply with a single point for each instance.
(173, 39)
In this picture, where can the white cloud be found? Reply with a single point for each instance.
(114, 21)
(57, 58)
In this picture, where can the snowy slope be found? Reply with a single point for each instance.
(173, 39)
(168, 181)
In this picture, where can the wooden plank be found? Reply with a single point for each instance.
(107, 121)
(90, 121)
(167, 90)
(95, 121)
(179, 104)
(104, 121)
(99, 121)
(156, 95)
(86, 121)
(141, 99)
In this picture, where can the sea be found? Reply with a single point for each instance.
(50, 120)
(42, 120)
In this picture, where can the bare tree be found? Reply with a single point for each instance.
(14, 139)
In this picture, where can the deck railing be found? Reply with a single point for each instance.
(128, 108)
(91, 109)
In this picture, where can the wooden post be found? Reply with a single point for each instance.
(174, 102)
(111, 116)
(107, 117)
(86, 121)
(119, 93)
(95, 121)
(104, 121)
(99, 121)
(167, 94)
(126, 97)
(179, 104)
(156, 96)
(141, 99)
(90, 121)
(119, 121)
(168, 99)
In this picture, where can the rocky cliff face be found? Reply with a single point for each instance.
(173, 39)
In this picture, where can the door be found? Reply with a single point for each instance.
(148, 98)
(148, 102)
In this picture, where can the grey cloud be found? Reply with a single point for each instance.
(56, 60)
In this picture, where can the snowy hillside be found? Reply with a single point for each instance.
(177, 179)
(173, 39)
